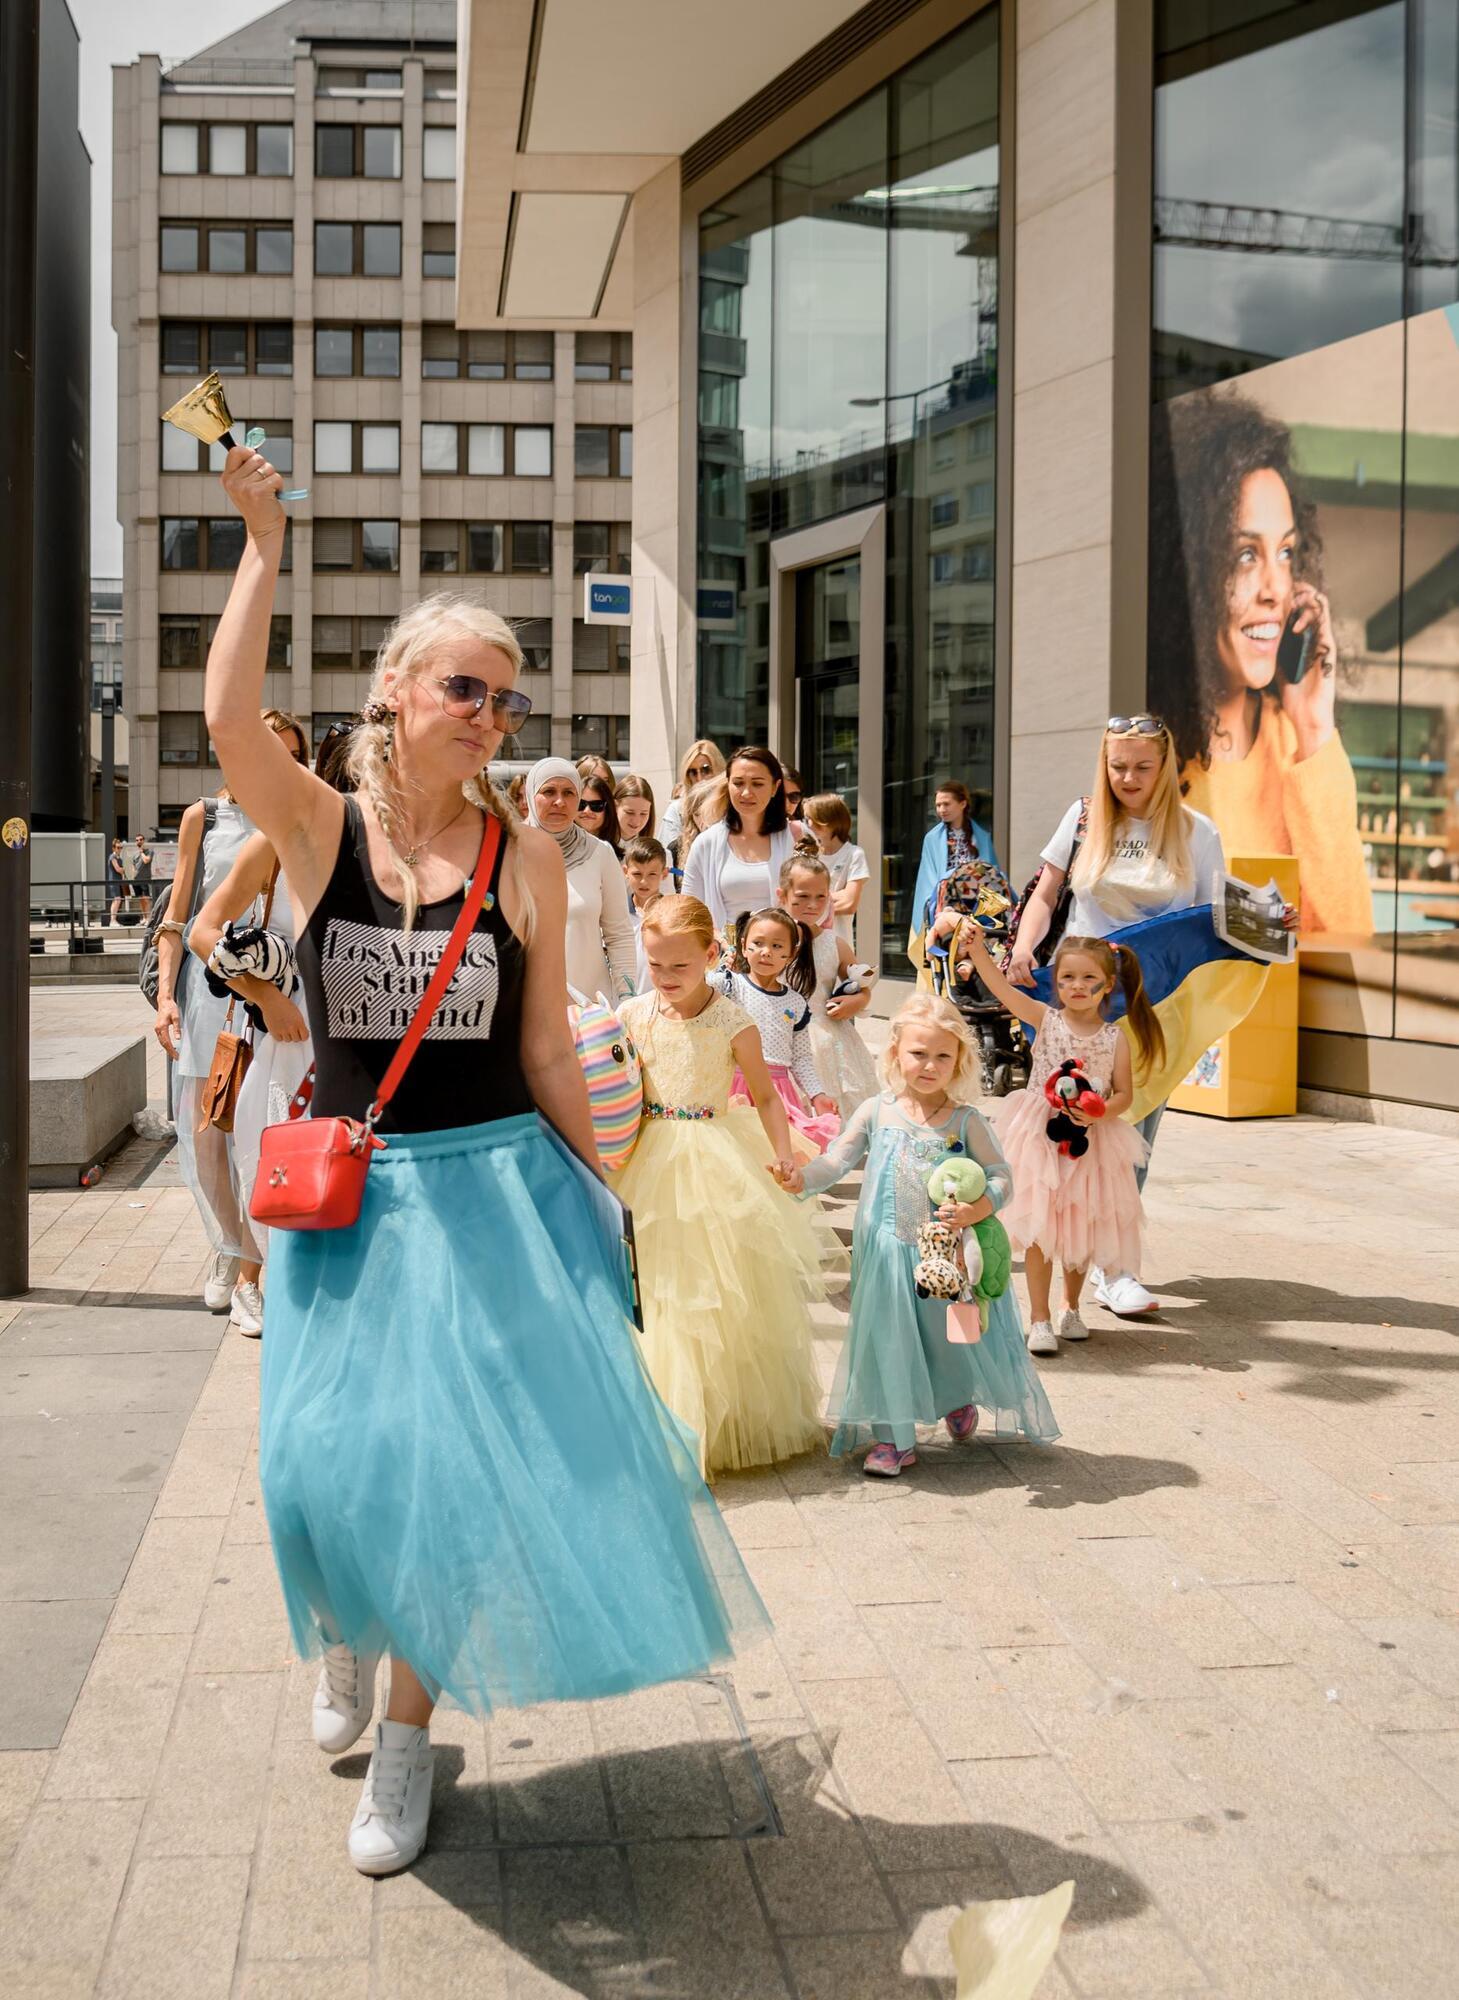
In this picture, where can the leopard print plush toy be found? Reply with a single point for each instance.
(939, 1273)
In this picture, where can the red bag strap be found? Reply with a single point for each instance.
(491, 838)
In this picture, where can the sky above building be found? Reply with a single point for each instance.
(119, 34)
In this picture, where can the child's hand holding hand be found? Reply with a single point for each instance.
(787, 1174)
(824, 1107)
(965, 1214)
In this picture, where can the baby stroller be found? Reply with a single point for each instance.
(980, 894)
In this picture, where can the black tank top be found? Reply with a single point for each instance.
(364, 978)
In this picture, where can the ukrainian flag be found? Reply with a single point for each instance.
(1199, 986)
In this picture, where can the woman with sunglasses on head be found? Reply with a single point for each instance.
(601, 951)
(463, 1463)
(701, 762)
(1132, 850)
(735, 865)
(190, 1019)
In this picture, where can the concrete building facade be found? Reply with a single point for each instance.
(285, 213)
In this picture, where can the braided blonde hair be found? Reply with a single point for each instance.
(404, 654)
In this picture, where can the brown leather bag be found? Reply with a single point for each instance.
(218, 1099)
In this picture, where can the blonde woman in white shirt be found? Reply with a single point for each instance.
(600, 942)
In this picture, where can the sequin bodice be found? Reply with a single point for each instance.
(1054, 1044)
(687, 1065)
(910, 1153)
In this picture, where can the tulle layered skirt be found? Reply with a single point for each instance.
(463, 1460)
(843, 1063)
(1078, 1212)
(728, 1267)
(810, 1131)
(898, 1368)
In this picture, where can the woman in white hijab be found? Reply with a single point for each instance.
(600, 946)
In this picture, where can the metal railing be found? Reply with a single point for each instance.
(84, 910)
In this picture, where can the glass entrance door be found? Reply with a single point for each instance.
(828, 676)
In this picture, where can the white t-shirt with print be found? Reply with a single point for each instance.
(1132, 848)
(847, 864)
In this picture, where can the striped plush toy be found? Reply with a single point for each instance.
(615, 1085)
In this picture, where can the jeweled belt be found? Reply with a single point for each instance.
(679, 1110)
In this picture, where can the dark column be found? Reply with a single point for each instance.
(19, 91)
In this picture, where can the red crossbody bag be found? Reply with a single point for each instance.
(311, 1171)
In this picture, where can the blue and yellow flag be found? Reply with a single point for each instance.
(1199, 986)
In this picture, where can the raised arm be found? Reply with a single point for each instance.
(1004, 992)
(300, 814)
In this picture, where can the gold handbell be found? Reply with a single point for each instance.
(203, 413)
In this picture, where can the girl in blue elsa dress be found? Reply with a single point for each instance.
(898, 1368)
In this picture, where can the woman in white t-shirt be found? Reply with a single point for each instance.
(1144, 853)
(734, 866)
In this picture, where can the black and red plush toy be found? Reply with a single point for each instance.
(1070, 1089)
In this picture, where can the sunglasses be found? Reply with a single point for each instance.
(1136, 725)
(592, 805)
(701, 770)
(464, 695)
(794, 798)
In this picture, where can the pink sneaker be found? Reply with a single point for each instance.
(962, 1423)
(884, 1461)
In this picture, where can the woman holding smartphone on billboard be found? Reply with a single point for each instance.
(1243, 659)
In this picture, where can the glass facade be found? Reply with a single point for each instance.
(1305, 457)
(848, 300)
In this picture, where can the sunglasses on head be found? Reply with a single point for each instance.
(1136, 725)
(464, 695)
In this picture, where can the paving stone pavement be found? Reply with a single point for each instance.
(1202, 1656)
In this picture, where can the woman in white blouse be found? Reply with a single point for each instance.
(600, 947)
(735, 865)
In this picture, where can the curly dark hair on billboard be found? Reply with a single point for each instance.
(1203, 447)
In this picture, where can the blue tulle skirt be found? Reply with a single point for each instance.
(463, 1460)
(898, 1369)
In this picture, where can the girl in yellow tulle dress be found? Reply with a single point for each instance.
(727, 1263)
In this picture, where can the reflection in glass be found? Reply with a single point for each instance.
(380, 350)
(179, 247)
(227, 250)
(380, 544)
(1285, 141)
(830, 329)
(942, 212)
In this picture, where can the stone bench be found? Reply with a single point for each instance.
(84, 1090)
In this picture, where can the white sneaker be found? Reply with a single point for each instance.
(344, 1700)
(246, 1314)
(1071, 1326)
(218, 1285)
(1041, 1337)
(389, 1827)
(1123, 1294)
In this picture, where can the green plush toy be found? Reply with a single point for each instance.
(987, 1252)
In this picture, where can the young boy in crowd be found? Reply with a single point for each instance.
(645, 864)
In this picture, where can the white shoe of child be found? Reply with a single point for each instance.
(1041, 1337)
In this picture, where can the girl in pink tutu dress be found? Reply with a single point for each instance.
(771, 974)
(1082, 1206)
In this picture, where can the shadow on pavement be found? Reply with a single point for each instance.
(685, 1918)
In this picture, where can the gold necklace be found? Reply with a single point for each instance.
(412, 855)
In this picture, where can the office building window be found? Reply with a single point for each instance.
(347, 152)
(357, 350)
(603, 357)
(487, 355)
(182, 347)
(439, 162)
(181, 453)
(487, 451)
(602, 451)
(183, 641)
(601, 736)
(358, 546)
(182, 739)
(227, 149)
(534, 636)
(348, 642)
(227, 248)
(191, 543)
(356, 447)
(438, 252)
(335, 81)
(601, 547)
(349, 249)
(440, 85)
(486, 548)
